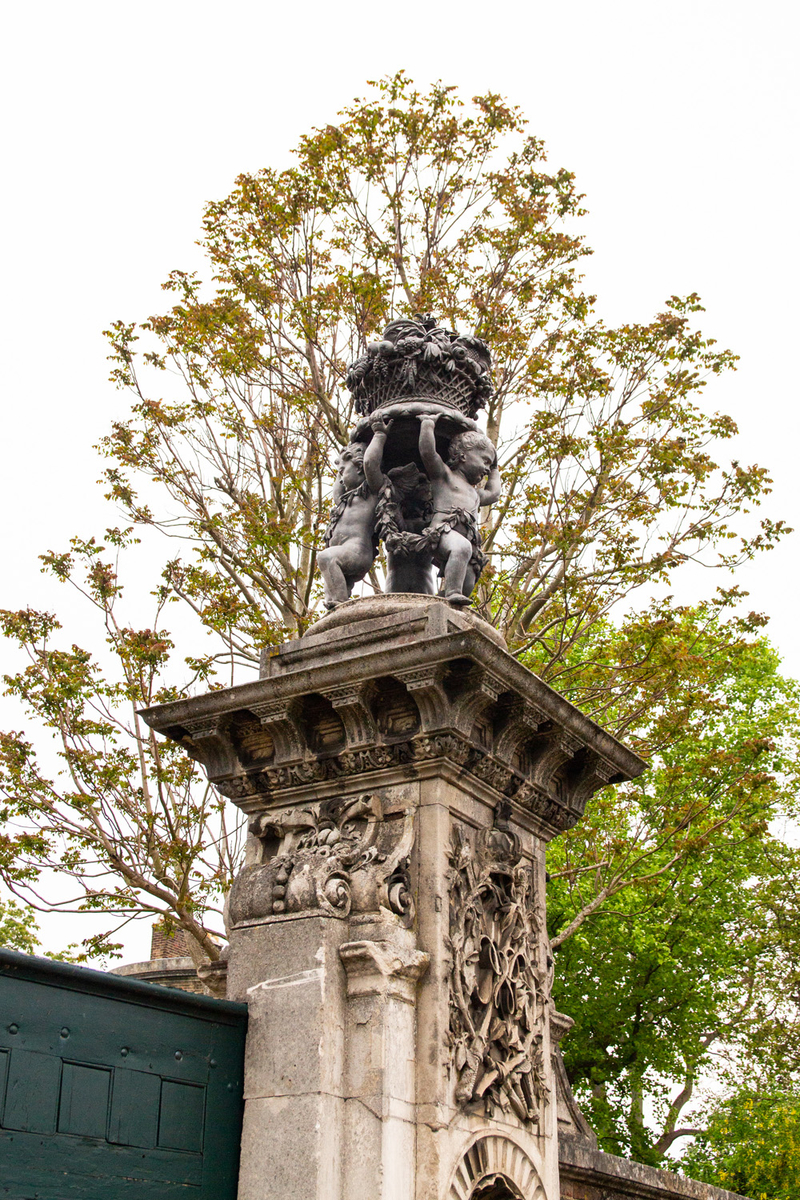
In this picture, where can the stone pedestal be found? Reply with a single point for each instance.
(402, 774)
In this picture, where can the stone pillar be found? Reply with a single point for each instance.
(402, 774)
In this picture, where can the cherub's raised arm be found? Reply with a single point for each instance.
(432, 461)
(373, 455)
(491, 493)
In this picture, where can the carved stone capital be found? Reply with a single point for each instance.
(595, 773)
(558, 749)
(523, 722)
(379, 703)
(381, 969)
(202, 728)
(484, 691)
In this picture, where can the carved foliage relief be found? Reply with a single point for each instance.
(499, 987)
(335, 856)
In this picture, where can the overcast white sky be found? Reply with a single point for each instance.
(679, 120)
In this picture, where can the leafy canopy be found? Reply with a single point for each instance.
(669, 905)
(751, 1143)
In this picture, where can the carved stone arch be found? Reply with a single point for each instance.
(495, 1167)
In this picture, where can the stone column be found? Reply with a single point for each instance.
(402, 775)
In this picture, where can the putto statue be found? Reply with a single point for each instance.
(417, 470)
(351, 541)
(454, 534)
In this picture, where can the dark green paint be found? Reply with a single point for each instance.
(109, 1086)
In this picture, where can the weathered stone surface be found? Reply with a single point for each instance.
(590, 1174)
(178, 973)
(571, 1121)
(292, 1149)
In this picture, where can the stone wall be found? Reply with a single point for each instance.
(589, 1174)
(169, 964)
(178, 973)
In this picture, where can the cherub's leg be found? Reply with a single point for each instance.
(334, 581)
(470, 579)
(456, 551)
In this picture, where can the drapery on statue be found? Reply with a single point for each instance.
(411, 475)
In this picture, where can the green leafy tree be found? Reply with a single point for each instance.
(125, 818)
(613, 481)
(18, 930)
(668, 903)
(751, 1142)
(415, 203)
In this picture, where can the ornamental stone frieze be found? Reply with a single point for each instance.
(500, 975)
(337, 856)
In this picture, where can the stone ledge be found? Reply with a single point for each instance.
(179, 973)
(589, 1174)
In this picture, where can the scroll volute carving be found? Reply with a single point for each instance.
(425, 684)
(590, 772)
(474, 700)
(337, 856)
(499, 988)
(547, 753)
(523, 722)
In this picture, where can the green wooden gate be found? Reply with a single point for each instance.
(111, 1087)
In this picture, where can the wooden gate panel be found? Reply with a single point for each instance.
(109, 1084)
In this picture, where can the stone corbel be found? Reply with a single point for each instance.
(483, 692)
(559, 748)
(523, 722)
(425, 685)
(277, 719)
(596, 772)
(380, 969)
(571, 1121)
(214, 976)
(359, 724)
(207, 741)
(395, 892)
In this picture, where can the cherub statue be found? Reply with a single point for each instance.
(350, 540)
(454, 532)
